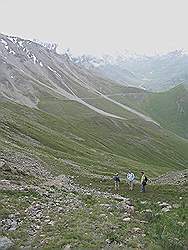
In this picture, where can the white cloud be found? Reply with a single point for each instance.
(100, 26)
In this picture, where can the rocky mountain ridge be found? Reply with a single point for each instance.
(30, 70)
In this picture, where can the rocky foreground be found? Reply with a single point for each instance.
(55, 212)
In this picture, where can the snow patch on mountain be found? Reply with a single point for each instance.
(20, 43)
(48, 45)
(22, 82)
(4, 42)
(12, 39)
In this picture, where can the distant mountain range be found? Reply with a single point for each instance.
(155, 73)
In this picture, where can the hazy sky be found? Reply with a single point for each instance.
(100, 26)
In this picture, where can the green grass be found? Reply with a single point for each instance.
(94, 142)
(169, 108)
(100, 220)
(89, 146)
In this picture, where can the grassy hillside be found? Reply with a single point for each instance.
(96, 143)
(70, 139)
(62, 138)
(169, 108)
(87, 221)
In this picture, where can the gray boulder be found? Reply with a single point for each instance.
(5, 243)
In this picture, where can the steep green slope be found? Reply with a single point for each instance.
(97, 144)
(70, 139)
(169, 108)
(58, 154)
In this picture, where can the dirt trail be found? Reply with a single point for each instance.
(171, 178)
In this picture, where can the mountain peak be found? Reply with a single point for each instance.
(48, 45)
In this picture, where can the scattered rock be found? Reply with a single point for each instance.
(174, 178)
(143, 202)
(126, 206)
(136, 229)
(37, 227)
(11, 223)
(181, 223)
(127, 219)
(147, 211)
(176, 205)
(141, 221)
(166, 209)
(108, 241)
(164, 204)
(51, 223)
(14, 225)
(5, 243)
(119, 198)
(67, 247)
(2, 163)
(60, 209)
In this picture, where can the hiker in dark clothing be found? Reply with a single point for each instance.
(143, 182)
(116, 179)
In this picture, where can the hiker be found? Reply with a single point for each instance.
(116, 181)
(130, 179)
(143, 182)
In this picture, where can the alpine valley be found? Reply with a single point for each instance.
(67, 125)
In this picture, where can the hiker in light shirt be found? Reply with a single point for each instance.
(130, 178)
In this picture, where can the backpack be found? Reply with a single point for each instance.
(116, 178)
(145, 181)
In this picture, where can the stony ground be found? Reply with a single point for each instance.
(173, 178)
(55, 212)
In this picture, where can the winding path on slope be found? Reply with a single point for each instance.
(146, 118)
(73, 97)
(83, 83)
